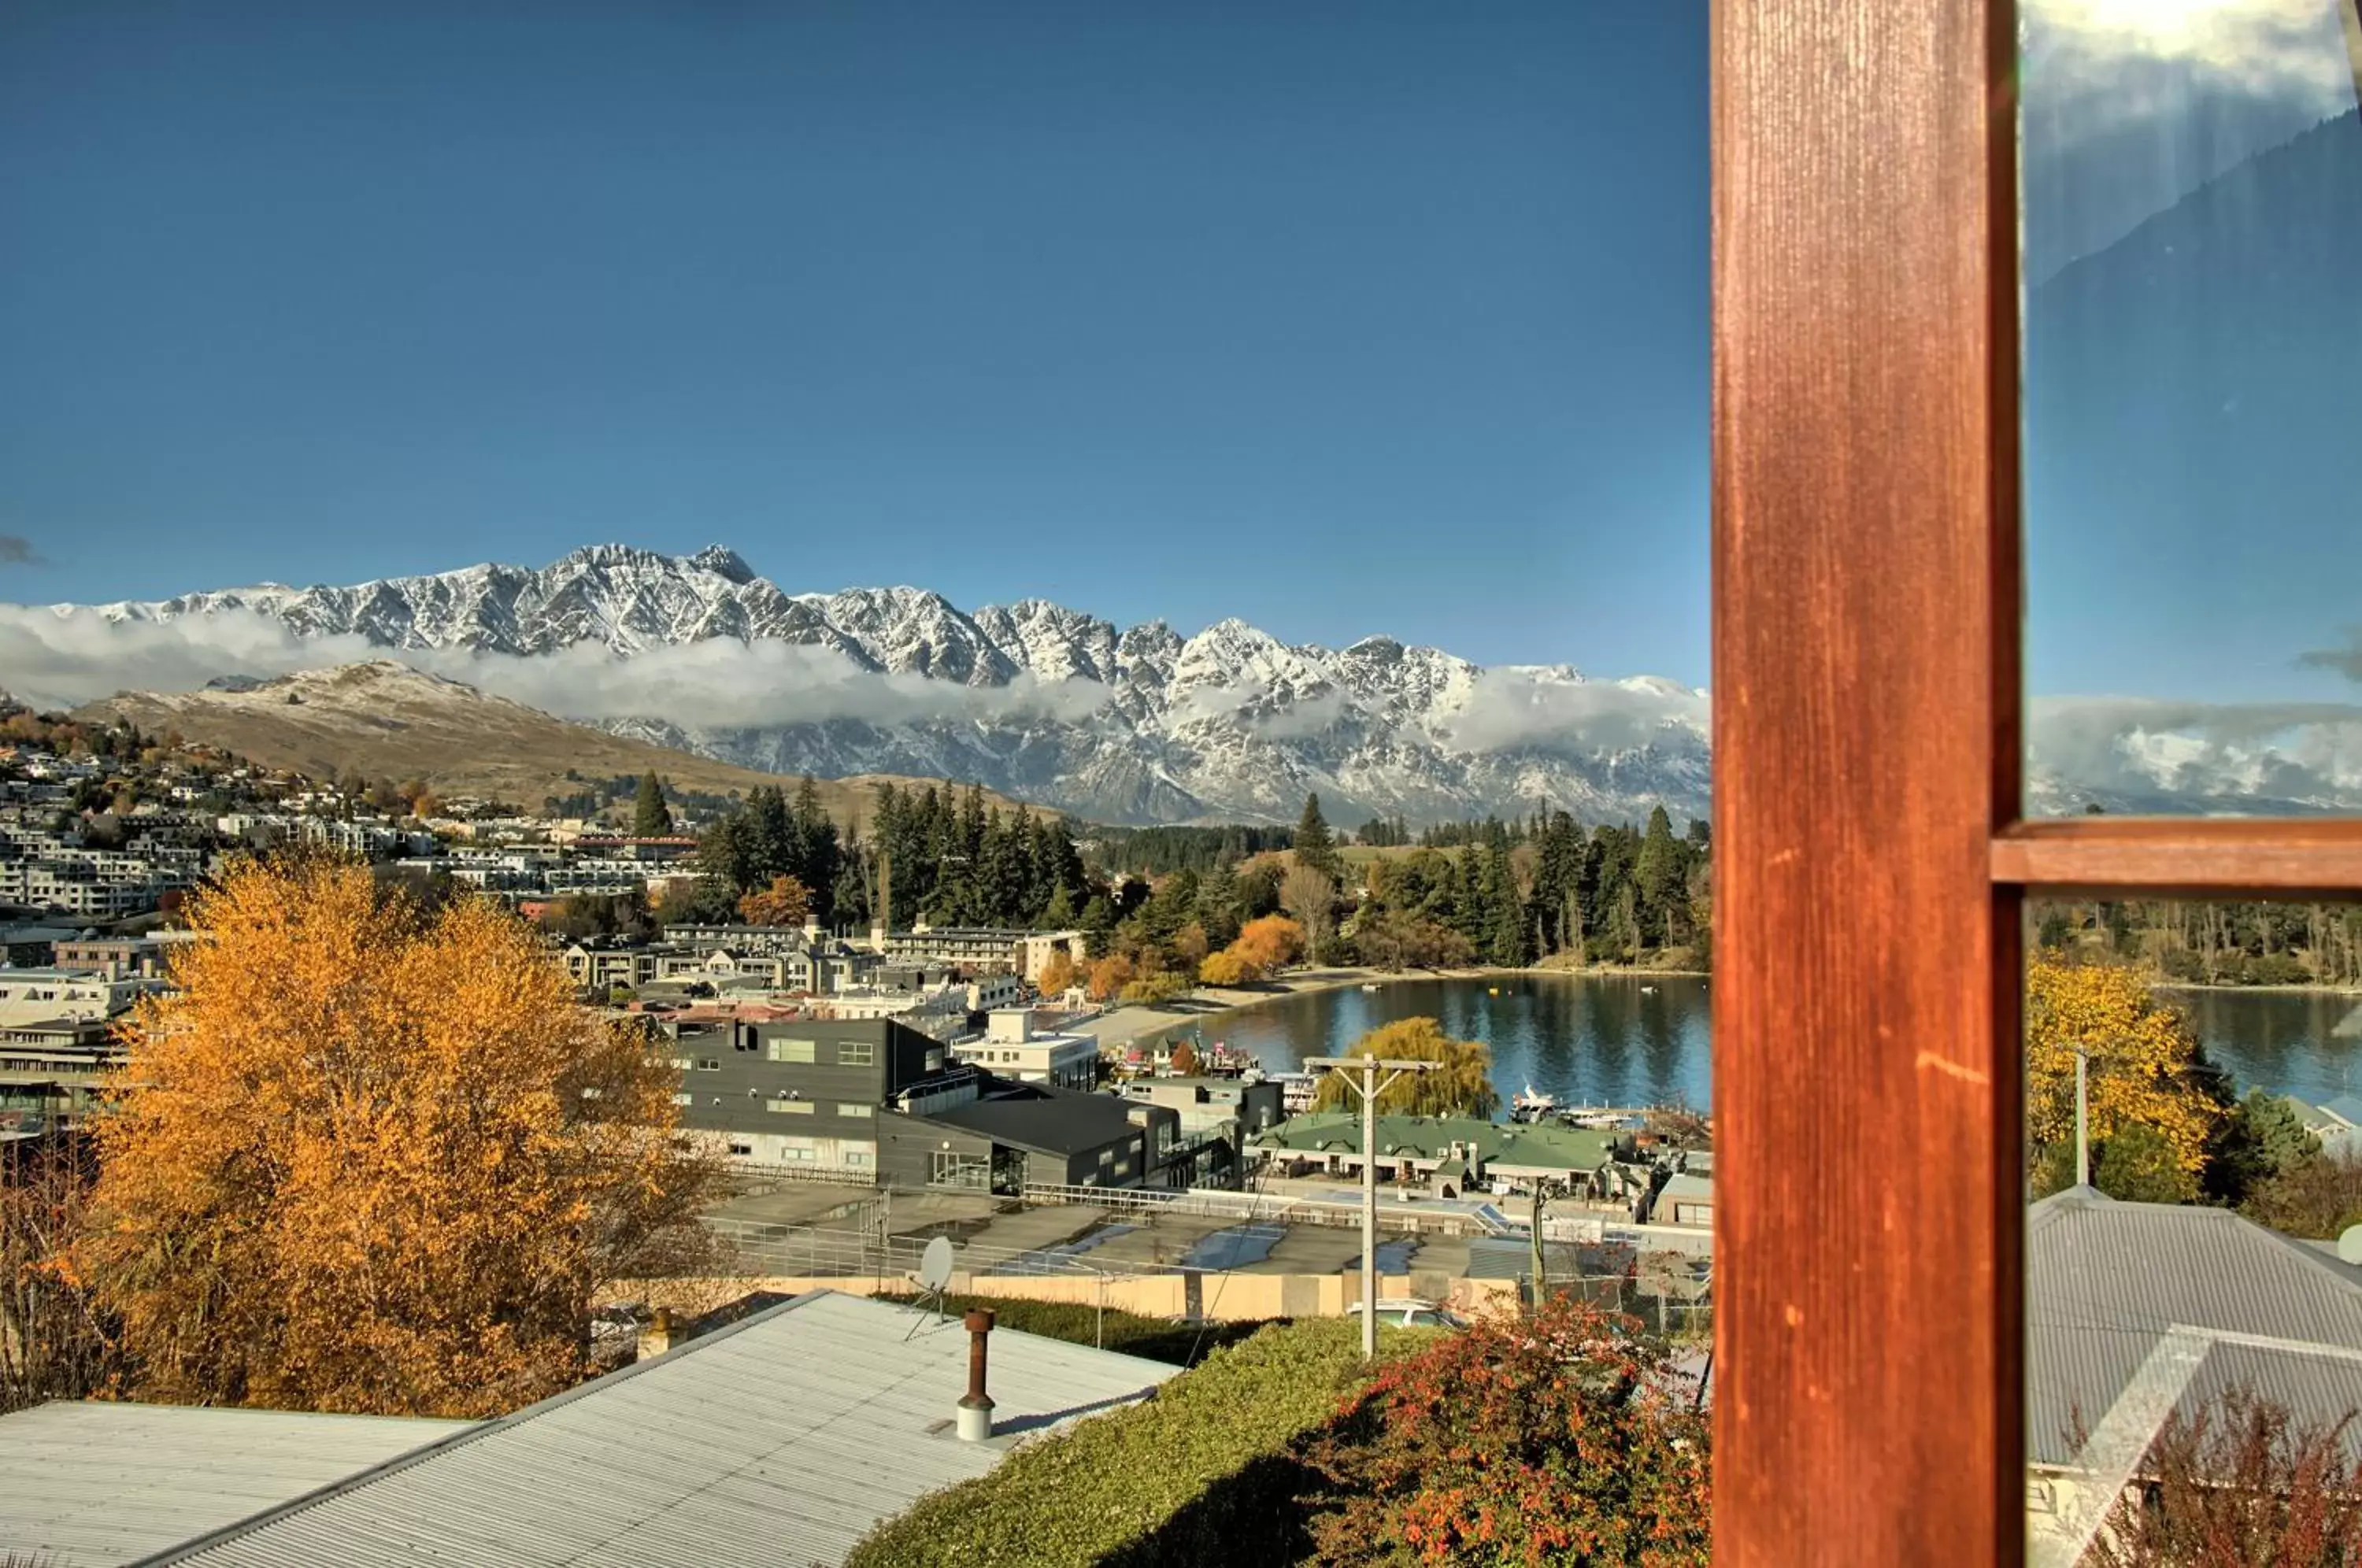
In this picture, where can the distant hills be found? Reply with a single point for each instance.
(386, 719)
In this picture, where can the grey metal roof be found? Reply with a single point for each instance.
(779, 1440)
(91, 1484)
(2107, 1281)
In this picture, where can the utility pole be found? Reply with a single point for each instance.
(1541, 1192)
(1368, 1088)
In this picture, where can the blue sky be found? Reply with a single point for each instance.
(1346, 317)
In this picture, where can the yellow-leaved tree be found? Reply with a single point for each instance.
(373, 1158)
(1461, 1085)
(2145, 1066)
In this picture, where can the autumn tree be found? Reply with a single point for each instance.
(1057, 975)
(785, 902)
(1183, 1059)
(1270, 941)
(1555, 1437)
(1309, 896)
(1109, 976)
(52, 1345)
(373, 1159)
(2146, 1065)
(1461, 1085)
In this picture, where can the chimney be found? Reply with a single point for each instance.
(656, 1336)
(976, 1408)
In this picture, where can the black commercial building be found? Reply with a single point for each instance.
(875, 1099)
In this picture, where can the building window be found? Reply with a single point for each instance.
(742, 1149)
(684, 1099)
(859, 1157)
(793, 1050)
(857, 1054)
(683, 1063)
(1107, 1157)
(855, 1108)
(935, 1061)
(792, 1106)
(709, 1066)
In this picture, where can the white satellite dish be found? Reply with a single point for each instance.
(935, 1263)
(2349, 1245)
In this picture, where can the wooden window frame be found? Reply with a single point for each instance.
(1872, 855)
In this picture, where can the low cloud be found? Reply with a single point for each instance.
(16, 550)
(1514, 708)
(2346, 661)
(64, 658)
(2293, 52)
(2131, 747)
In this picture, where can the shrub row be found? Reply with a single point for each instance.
(1203, 1472)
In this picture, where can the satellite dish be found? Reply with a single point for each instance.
(2349, 1245)
(935, 1263)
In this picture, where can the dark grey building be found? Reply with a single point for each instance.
(874, 1098)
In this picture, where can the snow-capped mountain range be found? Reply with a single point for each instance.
(1040, 702)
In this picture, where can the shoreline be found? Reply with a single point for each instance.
(2348, 991)
(1137, 1021)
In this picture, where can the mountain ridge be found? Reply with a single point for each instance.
(1034, 699)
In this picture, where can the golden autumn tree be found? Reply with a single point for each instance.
(2145, 1066)
(372, 1158)
(1461, 1085)
(1058, 975)
(1109, 976)
(785, 901)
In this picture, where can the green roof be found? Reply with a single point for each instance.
(1527, 1145)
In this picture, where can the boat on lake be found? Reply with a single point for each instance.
(1532, 1105)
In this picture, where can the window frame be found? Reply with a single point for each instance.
(1868, 1355)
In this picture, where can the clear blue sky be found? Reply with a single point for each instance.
(1344, 318)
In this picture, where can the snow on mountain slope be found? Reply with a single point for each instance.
(1034, 699)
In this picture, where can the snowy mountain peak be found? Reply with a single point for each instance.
(1034, 699)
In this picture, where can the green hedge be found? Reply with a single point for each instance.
(1158, 1338)
(1200, 1473)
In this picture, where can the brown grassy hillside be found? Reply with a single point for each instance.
(386, 719)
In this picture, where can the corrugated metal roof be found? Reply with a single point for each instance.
(2107, 1280)
(780, 1440)
(93, 1485)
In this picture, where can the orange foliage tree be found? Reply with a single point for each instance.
(1109, 976)
(1057, 975)
(372, 1158)
(1263, 946)
(785, 901)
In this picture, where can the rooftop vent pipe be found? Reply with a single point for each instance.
(975, 1407)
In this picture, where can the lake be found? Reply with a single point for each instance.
(1603, 1040)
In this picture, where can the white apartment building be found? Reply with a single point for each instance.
(1010, 1049)
(42, 996)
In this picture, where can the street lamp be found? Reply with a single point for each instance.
(1368, 1088)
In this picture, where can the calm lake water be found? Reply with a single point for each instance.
(1602, 1040)
(1595, 1039)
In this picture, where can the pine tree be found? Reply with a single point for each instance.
(822, 852)
(1315, 846)
(1659, 870)
(772, 846)
(651, 816)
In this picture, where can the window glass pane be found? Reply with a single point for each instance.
(793, 1050)
(2193, 1160)
(2192, 190)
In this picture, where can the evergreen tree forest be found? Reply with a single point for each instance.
(1541, 889)
(948, 857)
(2188, 941)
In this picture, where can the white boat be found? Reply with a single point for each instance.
(1369, 985)
(1647, 991)
(1532, 1105)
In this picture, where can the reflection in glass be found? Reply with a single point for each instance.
(2192, 187)
(2193, 1157)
